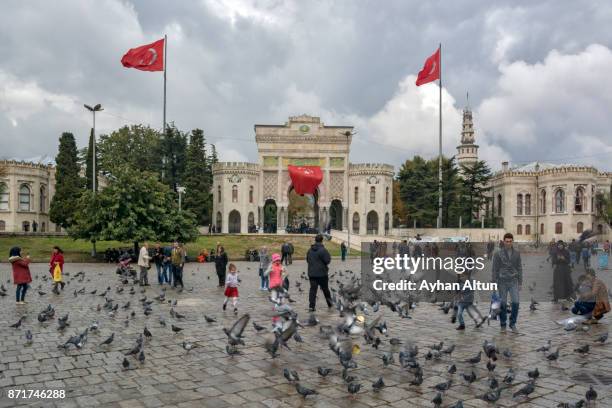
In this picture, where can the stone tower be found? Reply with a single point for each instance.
(467, 151)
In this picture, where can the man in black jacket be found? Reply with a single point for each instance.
(318, 259)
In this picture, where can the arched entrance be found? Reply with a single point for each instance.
(269, 211)
(302, 211)
(219, 222)
(335, 215)
(251, 222)
(386, 223)
(234, 222)
(372, 223)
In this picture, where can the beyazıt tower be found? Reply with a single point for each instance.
(467, 151)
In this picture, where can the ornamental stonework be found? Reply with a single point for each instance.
(336, 184)
(270, 184)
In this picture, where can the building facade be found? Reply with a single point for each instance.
(25, 196)
(250, 197)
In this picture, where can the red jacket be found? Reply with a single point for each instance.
(21, 270)
(56, 258)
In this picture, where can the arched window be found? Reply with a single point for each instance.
(542, 201)
(234, 193)
(356, 222)
(2, 225)
(24, 199)
(4, 197)
(527, 204)
(559, 201)
(519, 229)
(499, 205)
(387, 195)
(251, 190)
(43, 199)
(580, 227)
(218, 194)
(558, 228)
(356, 195)
(542, 229)
(579, 200)
(43, 227)
(519, 204)
(25, 226)
(372, 195)
(527, 229)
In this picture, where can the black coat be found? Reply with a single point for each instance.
(563, 287)
(318, 259)
(220, 263)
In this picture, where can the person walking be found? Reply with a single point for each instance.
(221, 261)
(167, 264)
(343, 251)
(56, 269)
(318, 260)
(177, 258)
(290, 254)
(563, 287)
(264, 262)
(285, 253)
(144, 264)
(21, 273)
(158, 260)
(507, 271)
(231, 288)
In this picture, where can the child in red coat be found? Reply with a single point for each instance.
(21, 273)
(231, 287)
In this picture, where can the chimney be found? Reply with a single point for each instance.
(505, 166)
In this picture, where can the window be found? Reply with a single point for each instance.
(25, 226)
(527, 204)
(527, 229)
(579, 201)
(499, 205)
(43, 227)
(559, 201)
(542, 229)
(218, 194)
(519, 204)
(372, 195)
(558, 228)
(356, 223)
(4, 197)
(579, 227)
(387, 195)
(251, 195)
(543, 202)
(519, 229)
(43, 199)
(357, 195)
(2, 225)
(234, 193)
(24, 199)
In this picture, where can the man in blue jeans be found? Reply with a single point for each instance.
(508, 274)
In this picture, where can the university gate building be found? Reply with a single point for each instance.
(259, 197)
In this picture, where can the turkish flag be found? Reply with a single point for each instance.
(148, 57)
(431, 69)
(305, 179)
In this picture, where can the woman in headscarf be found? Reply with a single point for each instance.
(57, 260)
(21, 273)
(563, 287)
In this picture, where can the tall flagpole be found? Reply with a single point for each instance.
(165, 68)
(440, 148)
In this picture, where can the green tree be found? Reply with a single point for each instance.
(476, 184)
(89, 163)
(174, 156)
(136, 146)
(198, 179)
(68, 183)
(603, 205)
(134, 207)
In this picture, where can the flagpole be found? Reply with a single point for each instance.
(165, 67)
(440, 147)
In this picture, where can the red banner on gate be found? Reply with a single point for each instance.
(305, 179)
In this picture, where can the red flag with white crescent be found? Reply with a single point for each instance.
(305, 179)
(149, 57)
(431, 69)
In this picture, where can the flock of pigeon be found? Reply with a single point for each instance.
(360, 328)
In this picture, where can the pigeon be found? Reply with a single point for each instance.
(188, 346)
(491, 396)
(210, 319)
(533, 305)
(602, 339)
(437, 400)
(291, 375)
(438, 346)
(232, 350)
(490, 366)
(582, 350)
(18, 324)
(378, 385)
(353, 388)
(507, 353)
(387, 359)
(449, 350)
(443, 386)
(533, 374)
(28, 337)
(234, 335)
(176, 329)
(509, 378)
(452, 369)
(303, 391)
(591, 394)
(147, 333)
(526, 390)
(141, 357)
(469, 378)
(258, 328)
(126, 363)
(553, 356)
(109, 340)
(394, 341)
(475, 359)
(544, 348)
(578, 404)
(323, 372)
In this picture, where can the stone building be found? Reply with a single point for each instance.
(25, 195)
(256, 196)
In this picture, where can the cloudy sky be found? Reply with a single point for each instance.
(537, 73)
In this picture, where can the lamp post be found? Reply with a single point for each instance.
(349, 219)
(180, 190)
(96, 108)
(537, 209)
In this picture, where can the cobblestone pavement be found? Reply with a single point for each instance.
(208, 377)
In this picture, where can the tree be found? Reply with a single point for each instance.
(400, 212)
(89, 163)
(134, 207)
(174, 156)
(198, 179)
(417, 189)
(603, 203)
(136, 146)
(68, 183)
(476, 184)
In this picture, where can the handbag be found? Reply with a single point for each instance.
(57, 273)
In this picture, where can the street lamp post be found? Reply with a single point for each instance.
(180, 191)
(93, 110)
(349, 219)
